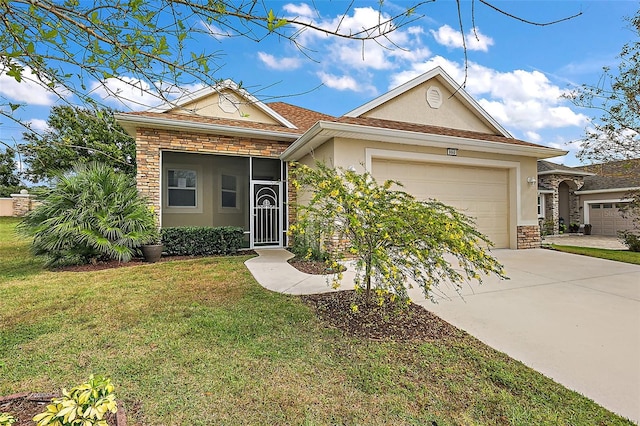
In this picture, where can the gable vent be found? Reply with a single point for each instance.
(434, 97)
(228, 102)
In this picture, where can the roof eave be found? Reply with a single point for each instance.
(132, 122)
(324, 130)
(609, 190)
(564, 172)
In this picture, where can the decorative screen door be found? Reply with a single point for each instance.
(266, 210)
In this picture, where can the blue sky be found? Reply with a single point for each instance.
(517, 72)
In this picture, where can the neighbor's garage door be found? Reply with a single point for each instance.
(606, 219)
(479, 192)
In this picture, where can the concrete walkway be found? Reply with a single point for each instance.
(575, 319)
(579, 240)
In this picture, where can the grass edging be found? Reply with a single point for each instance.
(625, 256)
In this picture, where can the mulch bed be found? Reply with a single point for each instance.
(24, 406)
(388, 321)
(312, 267)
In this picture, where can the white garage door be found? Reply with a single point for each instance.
(606, 219)
(479, 192)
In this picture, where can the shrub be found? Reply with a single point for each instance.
(6, 191)
(202, 240)
(84, 405)
(7, 419)
(308, 244)
(631, 240)
(93, 213)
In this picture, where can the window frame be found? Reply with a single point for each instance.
(237, 191)
(197, 169)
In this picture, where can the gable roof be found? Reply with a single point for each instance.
(218, 88)
(549, 168)
(303, 118)
(411, 134)
(187, 122)
(622, 175)
(444, 78)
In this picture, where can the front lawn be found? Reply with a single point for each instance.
(617, 255)
(199, 342)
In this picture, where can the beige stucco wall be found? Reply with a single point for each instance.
(522, 195)
(412, 107)
(6, 206)
(209, 106)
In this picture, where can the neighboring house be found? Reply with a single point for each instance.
(220, 157)
(587, 194)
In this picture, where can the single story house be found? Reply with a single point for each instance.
(590, 194)
(219, 157)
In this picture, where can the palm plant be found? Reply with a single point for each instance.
(92, 213)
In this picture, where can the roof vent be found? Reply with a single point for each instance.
(434, 97)
(228, 102)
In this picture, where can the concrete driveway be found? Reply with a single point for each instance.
(575, 319)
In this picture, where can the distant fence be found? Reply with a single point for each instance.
(18, 205)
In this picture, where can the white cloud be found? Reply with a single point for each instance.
(533, 136)
(38, 124)
(127, 91)
(398, 46)
(282, 64)
(523, 100)
(344, 82)
(29, 91)
(301, 9)
(215, 31)
(474, 40)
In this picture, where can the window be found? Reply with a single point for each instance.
(540, 206)
(595, 206)
(181, 188)
(229, 191)
(607, 206)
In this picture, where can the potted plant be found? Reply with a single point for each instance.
(152, 250)
(574, 227)
(587, 229)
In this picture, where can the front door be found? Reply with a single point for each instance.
(266, 211)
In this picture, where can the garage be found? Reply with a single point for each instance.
(606, 218)
(479, 192)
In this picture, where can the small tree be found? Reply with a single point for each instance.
(77, 135)
(8, 172)
(393, 236)
(92, 213)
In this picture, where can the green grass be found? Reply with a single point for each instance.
(617, 255)
(199, 342)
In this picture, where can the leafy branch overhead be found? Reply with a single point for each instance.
(76, 48)
(395, 239)
(71, 46)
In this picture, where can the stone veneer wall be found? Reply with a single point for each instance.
(23, 203)
(528, 237)
(150, 142)
(552, 200)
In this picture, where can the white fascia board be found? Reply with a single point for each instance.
(443, 77)
(545, 191)
(226, 84)
(128, 121)
(324, 130)
(565, 172)
(607, 191)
